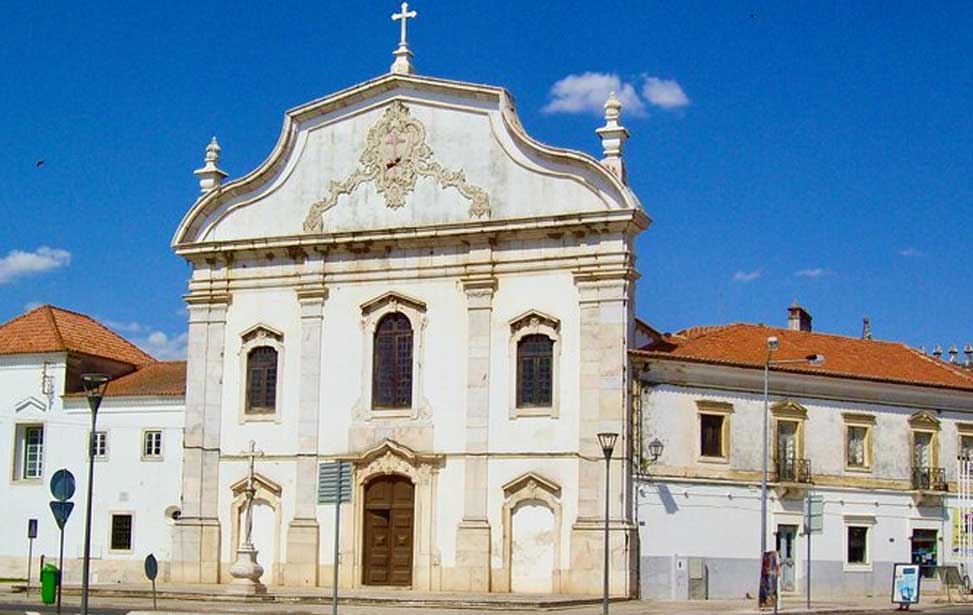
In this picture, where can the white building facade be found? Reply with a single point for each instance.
(875, 432)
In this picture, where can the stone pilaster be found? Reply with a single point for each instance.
(196, 540)
(606, 305)
(473, 534)
(303, 533)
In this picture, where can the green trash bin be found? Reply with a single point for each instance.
(49, 574)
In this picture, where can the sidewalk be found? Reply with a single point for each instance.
(213, 600)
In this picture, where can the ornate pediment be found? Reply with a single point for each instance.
(924, 420)
(535, 321)
(394, 300)
(260, 483)
(396, 155)
(261, 331)
(788, 409)
(532, 484)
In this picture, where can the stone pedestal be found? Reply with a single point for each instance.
(246, 573)
(196, 551)
(303, 537)
(472, 571)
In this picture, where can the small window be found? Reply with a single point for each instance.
(966, 446)
(392, 362)
(262, 381)
(711, 435)
(152, 444)
(857, 545)
(922, 450)
(33, 452)
(534, 370)
(857, 447)
(99, 444)
(121, 532)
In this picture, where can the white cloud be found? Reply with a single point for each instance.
(161, 346)
(32, 305)
(911, 252)
(665, 93)
(587, 93)
(122, 327)
(745, 277)
(816, 272)
(18, 263)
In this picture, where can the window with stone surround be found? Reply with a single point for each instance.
(965, 443)
(858, 441)
(857, 543)
(28, 453)
(714, 430)
(152, 444)
(535, 349)
(261, 373)
(99, 445)
(121, 532)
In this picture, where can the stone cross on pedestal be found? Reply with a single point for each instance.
(246, 572)
(403, 57)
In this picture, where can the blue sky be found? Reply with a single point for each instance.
(813, 150)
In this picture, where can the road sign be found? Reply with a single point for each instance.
(814, 514)
(62, 485)
(61, 510)
(32, 528)
(151, 567)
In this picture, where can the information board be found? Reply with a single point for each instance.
(905, 583)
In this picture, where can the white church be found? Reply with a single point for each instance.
(412, 288)
(409, 284)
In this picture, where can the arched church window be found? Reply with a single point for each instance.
(261, 381)
(535, 357)
(392, 362)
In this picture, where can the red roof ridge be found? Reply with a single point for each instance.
(950, 367)
(49, 312)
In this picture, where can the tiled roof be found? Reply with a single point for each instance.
(52, 329)
(745, 345)
(163, 379)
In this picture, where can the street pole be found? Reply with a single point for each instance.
(808, 530)
(763, 487)
(30, 555)
(94, 385)
(607, 483)
(337, 533)
(60, 571)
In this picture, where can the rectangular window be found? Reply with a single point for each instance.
(922, 449)
(121, 532)
(857, 457)
(711, 435)
(152, 444)
(99, 444)
(966, 446)
(33, 449)
(857, 545)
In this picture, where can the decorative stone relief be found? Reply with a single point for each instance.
(396, 155)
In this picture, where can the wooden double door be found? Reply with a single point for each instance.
(388, 536)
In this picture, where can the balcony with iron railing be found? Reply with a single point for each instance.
(929, 479)
(793, 470)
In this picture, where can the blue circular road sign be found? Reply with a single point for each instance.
(62, 485)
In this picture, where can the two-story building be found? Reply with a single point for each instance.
(875, 430)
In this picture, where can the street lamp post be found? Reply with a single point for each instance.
(94, 388)
(812, 359)
(607, 441)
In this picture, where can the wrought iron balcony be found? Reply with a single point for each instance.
(929, 479)
(793, 470)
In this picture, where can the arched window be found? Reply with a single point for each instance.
(534, 370)
(261, 381)
(392, 362)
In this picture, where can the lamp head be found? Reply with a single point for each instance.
(607, 442)
(655, 449)
(773, 343)
(94, 388)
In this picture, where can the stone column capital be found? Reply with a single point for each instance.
(479, 292)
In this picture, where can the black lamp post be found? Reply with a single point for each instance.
(607, 441)
(94, 388)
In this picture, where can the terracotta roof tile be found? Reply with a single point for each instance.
(163, 379)
(52, 329)
(745, 345)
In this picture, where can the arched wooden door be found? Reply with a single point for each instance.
(388, 523)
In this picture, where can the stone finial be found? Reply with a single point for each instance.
(968, 351)
(866, 328)
(403, 56)
(613, 136)
(953, 353)
(211, 175)
(937, 351)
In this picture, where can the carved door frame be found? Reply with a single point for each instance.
(387, 458)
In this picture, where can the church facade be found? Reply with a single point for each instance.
(412, 287)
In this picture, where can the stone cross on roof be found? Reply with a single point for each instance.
(403, 56)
